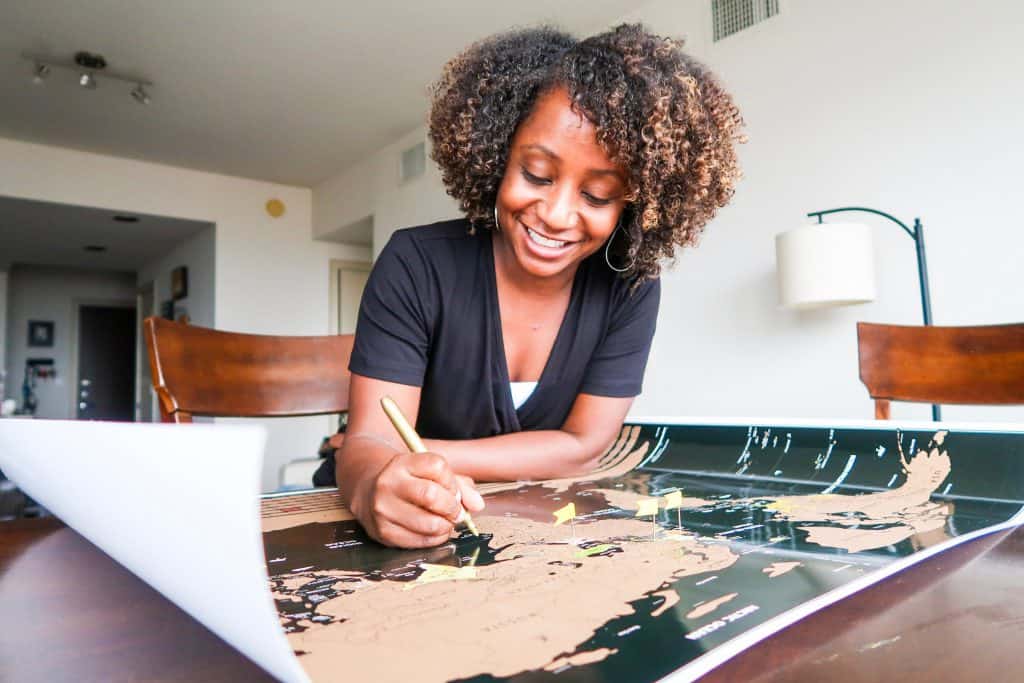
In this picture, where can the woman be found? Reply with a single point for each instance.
(518, 336)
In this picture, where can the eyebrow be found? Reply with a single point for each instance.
(596, 171)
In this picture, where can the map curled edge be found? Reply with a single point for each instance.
(181, 480)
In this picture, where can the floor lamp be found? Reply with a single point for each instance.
(821, 266)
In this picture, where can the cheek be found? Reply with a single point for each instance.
(603, 224)
(515, 193)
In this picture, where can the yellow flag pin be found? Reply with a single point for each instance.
(565, 514)
(647, 507)
(675, 500)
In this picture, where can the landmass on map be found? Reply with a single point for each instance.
(542, 593)
(849, 521)
(549, 589)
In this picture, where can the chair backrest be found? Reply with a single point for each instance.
(981, 365)
(199, 371)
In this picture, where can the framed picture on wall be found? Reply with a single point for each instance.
(179, 283)
(40, 333)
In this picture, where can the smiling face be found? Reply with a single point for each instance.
(561, 196)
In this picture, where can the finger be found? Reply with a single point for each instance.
(434, 467)
(471, 498)
(397, 536)
(462, 508)
(430, 496)
(398, 505)
(415, 520)
(336, 441)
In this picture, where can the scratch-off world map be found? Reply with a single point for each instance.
(688, 543)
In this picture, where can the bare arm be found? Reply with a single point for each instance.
(592, 424)
(409, 499)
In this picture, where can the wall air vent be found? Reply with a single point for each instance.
(732, 16)
(414, 162)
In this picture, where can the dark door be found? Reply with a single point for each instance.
(106, 363)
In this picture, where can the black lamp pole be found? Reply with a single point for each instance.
(916, 234)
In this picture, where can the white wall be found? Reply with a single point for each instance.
(198, 254)
(371, 188)
(271, 277)
(50, 293)
(911, 108)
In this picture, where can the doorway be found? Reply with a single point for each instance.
(348, 279)
(345, 291)
(145, 397)
(105, 386)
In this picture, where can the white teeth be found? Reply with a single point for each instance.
(544, 241)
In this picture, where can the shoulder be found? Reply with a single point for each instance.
(647, 290)
(442, 244)
(431, 236)
(431, 259)
(635, 304)
(619, 292)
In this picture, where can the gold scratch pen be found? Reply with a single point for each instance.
(415, 444)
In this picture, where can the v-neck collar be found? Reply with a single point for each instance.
(499, 336)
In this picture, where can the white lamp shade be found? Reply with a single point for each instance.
(828, 264)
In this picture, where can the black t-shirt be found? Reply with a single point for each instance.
(429, 317)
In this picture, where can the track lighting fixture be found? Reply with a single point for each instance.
(89, 63)
(89, 70)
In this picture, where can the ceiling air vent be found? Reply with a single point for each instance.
(414, 162)
(732, 16)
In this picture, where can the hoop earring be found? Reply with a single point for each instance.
(497, 225)
(607, 246)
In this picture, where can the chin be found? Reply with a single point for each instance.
(545, 270)
(547, 267)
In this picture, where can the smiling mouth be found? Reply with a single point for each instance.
(543, 241)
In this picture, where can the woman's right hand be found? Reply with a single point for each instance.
(414, 501)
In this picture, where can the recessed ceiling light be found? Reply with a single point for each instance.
(95, 248)
(121, 218)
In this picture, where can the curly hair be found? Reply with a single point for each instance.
(658, 113)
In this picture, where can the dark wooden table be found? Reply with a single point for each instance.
(70, 613)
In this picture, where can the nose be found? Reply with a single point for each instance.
(559, 209)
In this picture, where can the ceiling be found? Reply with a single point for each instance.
(44, 233)
(291, 92)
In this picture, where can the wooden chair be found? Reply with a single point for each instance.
(981, 365)
(199, 371)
